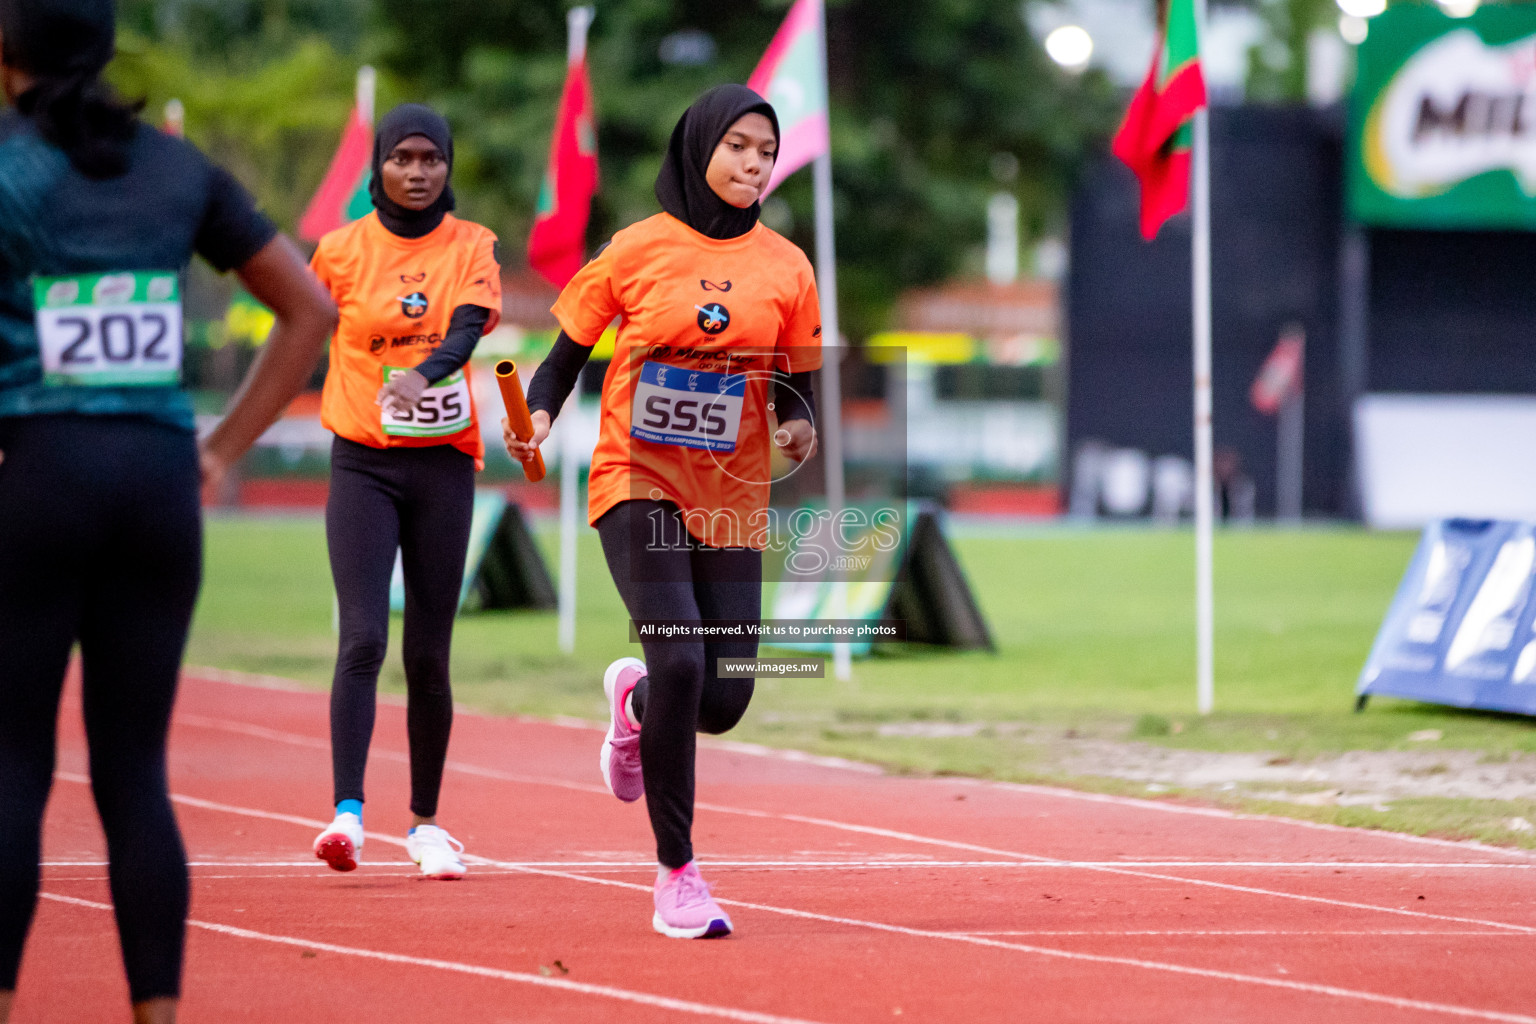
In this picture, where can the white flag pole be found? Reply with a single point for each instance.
(1200, 175)
(577, 21)
(367, 86)
(831, 382)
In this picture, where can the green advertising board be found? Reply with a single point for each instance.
(1443, 119)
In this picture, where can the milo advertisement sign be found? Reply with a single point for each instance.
(1443, 122)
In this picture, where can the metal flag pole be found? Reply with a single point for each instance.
(367, 86)
(1200, 174)
(831, 382)
(1290, 434)
(577, 21)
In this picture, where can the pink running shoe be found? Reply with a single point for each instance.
(684, 908)
(620, 756)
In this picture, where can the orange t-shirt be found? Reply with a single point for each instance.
(396, 296)
(703, 325)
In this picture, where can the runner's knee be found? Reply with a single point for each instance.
(725, 702)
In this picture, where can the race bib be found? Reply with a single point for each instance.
(444, 408)
(110, 330)
(691, 408)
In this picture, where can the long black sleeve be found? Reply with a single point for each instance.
(464, 329)
(795, 398)
(557, 375)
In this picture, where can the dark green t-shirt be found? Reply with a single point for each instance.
(57, 224)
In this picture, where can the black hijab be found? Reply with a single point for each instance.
(58, 38)
(394, 128)
(682, 187)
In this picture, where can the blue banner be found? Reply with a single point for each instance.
(1460, 631)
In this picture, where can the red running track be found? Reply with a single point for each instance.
(857, 897)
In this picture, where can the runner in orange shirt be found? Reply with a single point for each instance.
(416, 287)
(712, 307)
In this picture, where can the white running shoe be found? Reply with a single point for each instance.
(436, 851)
(341, 844)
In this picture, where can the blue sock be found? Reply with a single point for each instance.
(350, 807)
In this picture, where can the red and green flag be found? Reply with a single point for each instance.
(343, 194)
(1157, 135)
(792, 76)
(557, 247)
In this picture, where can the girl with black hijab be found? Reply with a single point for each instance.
(417, 287)
(100, 526)
(712, 307)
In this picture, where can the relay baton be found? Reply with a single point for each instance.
(518, 416)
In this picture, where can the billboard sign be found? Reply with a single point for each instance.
(1462, 629)
(1443, 119)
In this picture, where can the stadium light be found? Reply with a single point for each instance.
(1362, 8)
(1353, 29)
(1070, 46)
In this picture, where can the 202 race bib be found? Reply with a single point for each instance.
(444, 408)
(691, 408)
(110, 330)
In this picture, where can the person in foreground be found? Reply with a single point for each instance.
(713, 306)
(100, 526)
(417, 287)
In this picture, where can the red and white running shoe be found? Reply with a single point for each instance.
(341, 844)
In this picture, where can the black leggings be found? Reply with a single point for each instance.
(100, 543)
(663, 574)
(419, 501)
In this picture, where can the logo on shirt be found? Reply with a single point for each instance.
(376, 344)
(713, 318)
(413, 278)
(712, 286)
(413, 305)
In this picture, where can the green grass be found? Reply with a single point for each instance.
(1095, 640)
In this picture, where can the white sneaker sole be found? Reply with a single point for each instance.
(445, 874)
(337, 850)
(611, 680)
(717, 928)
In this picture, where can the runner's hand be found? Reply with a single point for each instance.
(402, 392)
(524, 451)
(797, 439)
(215, 468)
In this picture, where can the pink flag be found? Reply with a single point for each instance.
(792, 76)
(1280, 376)
(557, 246)
(343, 193)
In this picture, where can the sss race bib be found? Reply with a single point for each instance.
(691, 408)
(444, 408)
(110, 330)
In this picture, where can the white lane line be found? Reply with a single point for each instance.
(1464, 845)
(1152, 965)
(865, 864)
(561, 984)
(298, 739)
(1276, 932)
(399, 757)
(1032, 859)
(967, 938)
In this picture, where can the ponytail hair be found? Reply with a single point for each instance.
(84, 117)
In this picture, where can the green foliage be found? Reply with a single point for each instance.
(925, 97)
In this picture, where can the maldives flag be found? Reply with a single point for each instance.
(1156, 137)
(557, 247)
(792, 76)
(343, 194)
